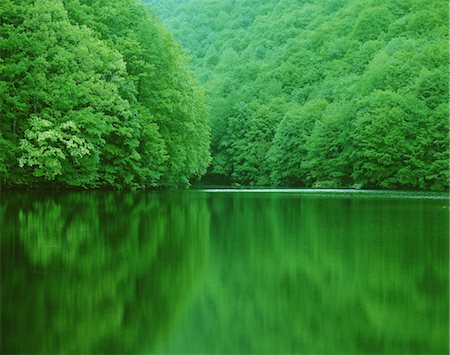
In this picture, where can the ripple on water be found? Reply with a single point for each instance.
(339, 193)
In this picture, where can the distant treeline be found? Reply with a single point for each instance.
(323, 93)
(96, 94)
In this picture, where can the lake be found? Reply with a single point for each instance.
(224, 271)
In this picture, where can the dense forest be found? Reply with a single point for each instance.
(96, 94)
(309, 93)
(321, 93)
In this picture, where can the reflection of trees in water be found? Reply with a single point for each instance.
(97, 272)
(325, 276)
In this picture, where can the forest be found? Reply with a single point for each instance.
(305, 93)
(321, 93)
(96, 94)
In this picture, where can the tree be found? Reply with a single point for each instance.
(288, 55)
(328, 162)
(62, 113)
(288, 153)
(96, 101)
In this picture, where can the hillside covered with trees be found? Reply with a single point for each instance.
(310, 93)
(96, 94)
(321, 93)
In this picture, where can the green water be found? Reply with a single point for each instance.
(224, 272)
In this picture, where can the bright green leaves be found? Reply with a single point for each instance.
(46, 146)
(63, 104)
(289, 146)
(436, 151)
(173, 132)
(329, 148)
(400, 143)
(432, 86)
(379, 67)
(96, 94)
(371, 23)
(384, 133)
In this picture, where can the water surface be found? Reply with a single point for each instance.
(215, 271)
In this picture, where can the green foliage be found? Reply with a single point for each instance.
(285, 56)
(328, 160)
(289, 150)
(371, 23)
(46, 147)
(384, 122)
(96, 95)
(246, 141)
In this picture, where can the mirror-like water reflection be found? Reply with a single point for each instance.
(204, 272)
(98, 272)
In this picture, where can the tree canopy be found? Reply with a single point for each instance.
(96, 94)
(341, 93)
